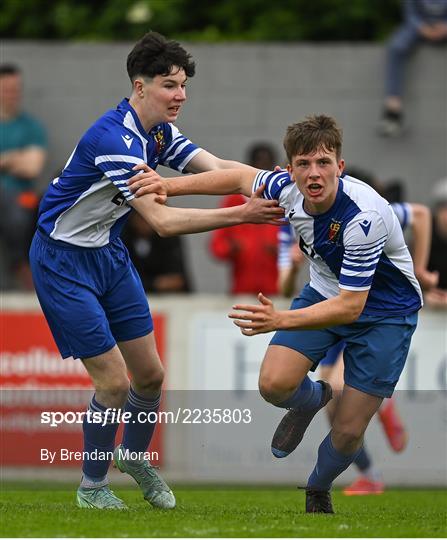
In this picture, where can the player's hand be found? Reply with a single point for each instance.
(427, 280)
(436, 298)
(256, 319)
(146, 181)
(259, 210)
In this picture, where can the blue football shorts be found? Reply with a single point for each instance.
(332, 355)
(376, 347)
(91, 297)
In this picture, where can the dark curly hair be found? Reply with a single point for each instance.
(154, 55)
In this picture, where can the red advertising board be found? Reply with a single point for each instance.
(35, 379)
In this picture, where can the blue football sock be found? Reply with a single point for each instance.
(307, 396)
(330, 464)
(98, 438)
(363, 460)
(138, 431)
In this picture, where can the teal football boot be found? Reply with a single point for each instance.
(154, 488)
(101, 497)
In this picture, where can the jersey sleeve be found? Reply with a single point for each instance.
(178, 151)
(274, 183)
(115, 163)
(285, 243)
(363, 239)
(404, 214)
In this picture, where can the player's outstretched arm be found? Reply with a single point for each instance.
(262, 318)
(218, 182)
(169, 221)
(205, 161)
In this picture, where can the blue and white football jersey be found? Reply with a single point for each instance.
(86, 205)
(356, 245)
(286, 236)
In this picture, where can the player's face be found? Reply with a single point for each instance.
(164, 95)
(10, 94)
(316, 176)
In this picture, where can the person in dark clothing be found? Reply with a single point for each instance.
(159, 261)
(437, 261)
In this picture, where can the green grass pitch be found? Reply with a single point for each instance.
(49, 510)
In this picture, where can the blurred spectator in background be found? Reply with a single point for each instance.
(424, 20)
(437, 297)
(250, 250)
(22, 156)
(159, 261)
(291, 263)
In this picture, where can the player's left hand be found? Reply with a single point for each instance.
(259, 210)
(145, 181)
(257, 319)
(427, 280)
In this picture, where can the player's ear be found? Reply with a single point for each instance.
(341, 167)
(137, 86)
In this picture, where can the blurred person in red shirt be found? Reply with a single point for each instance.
(250, 250)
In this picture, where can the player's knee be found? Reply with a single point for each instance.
(150, 380)
(275, 389)
(347, 436)
(114, 390)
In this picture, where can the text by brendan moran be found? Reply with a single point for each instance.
(64, 454)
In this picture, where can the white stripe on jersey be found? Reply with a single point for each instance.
(352, 257)
(177, 151)
(260, 179)
(188, 158)
(347, 262)
(362, 273)
(176, 137)
(118, 157)
(129, 123)
(117, 172)
(79, 224)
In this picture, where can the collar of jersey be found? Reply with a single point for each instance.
(128, 107)
(331, 209)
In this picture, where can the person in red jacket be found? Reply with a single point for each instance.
(250, 250)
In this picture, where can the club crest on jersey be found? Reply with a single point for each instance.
(159, 140)
(334, 229)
